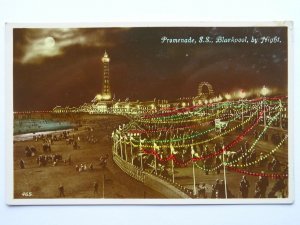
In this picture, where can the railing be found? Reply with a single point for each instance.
(157, 183)
(129, 169)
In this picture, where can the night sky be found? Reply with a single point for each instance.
(68, 71)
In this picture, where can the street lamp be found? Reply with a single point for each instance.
(264, 91)
(242, 95)
(206, 108)
(228, 97)
(280, 107)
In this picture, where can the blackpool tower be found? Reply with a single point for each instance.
(106, 94)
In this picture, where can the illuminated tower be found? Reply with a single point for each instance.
(106, 94)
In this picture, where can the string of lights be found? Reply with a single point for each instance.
(272, 175)
(254, 144)
(230, 145)
(169, 129)
(180, 120)
(193, 135)
(204, 141)
(246, 164)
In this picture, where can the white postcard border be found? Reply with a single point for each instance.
(77, 201)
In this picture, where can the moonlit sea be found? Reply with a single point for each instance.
(27, 129)
(29, 136)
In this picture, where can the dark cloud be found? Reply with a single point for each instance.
(33, 47)
(141, 67)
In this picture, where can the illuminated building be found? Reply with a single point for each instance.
(103, 103)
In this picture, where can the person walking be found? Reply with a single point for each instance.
(202, 191)
(22, 164)
(258, 188)
(96, 187)
(244, 187)
(265, 184)
(61, 191)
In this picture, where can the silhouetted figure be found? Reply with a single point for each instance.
(278, 189)
(202, 191)
(258, 188)
(265, 184)
(222, 190)
(61, 191)
(22, 164)
(244, 187)
(214, 192)
(96, 186)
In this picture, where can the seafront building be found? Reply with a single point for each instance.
(103, 103)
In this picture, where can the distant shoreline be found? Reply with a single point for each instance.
(26, 129)
(35, 131)
(29, 136)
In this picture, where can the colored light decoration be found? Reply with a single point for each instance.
(264, 91)
(242, 95)
(227, 96)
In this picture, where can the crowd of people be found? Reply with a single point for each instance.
(95, 189)
(217, 190)
(55, 149)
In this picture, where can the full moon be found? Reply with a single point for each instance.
(49, 42)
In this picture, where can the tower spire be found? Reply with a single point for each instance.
(106, 94)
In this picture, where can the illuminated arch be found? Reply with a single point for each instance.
(209, 87)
